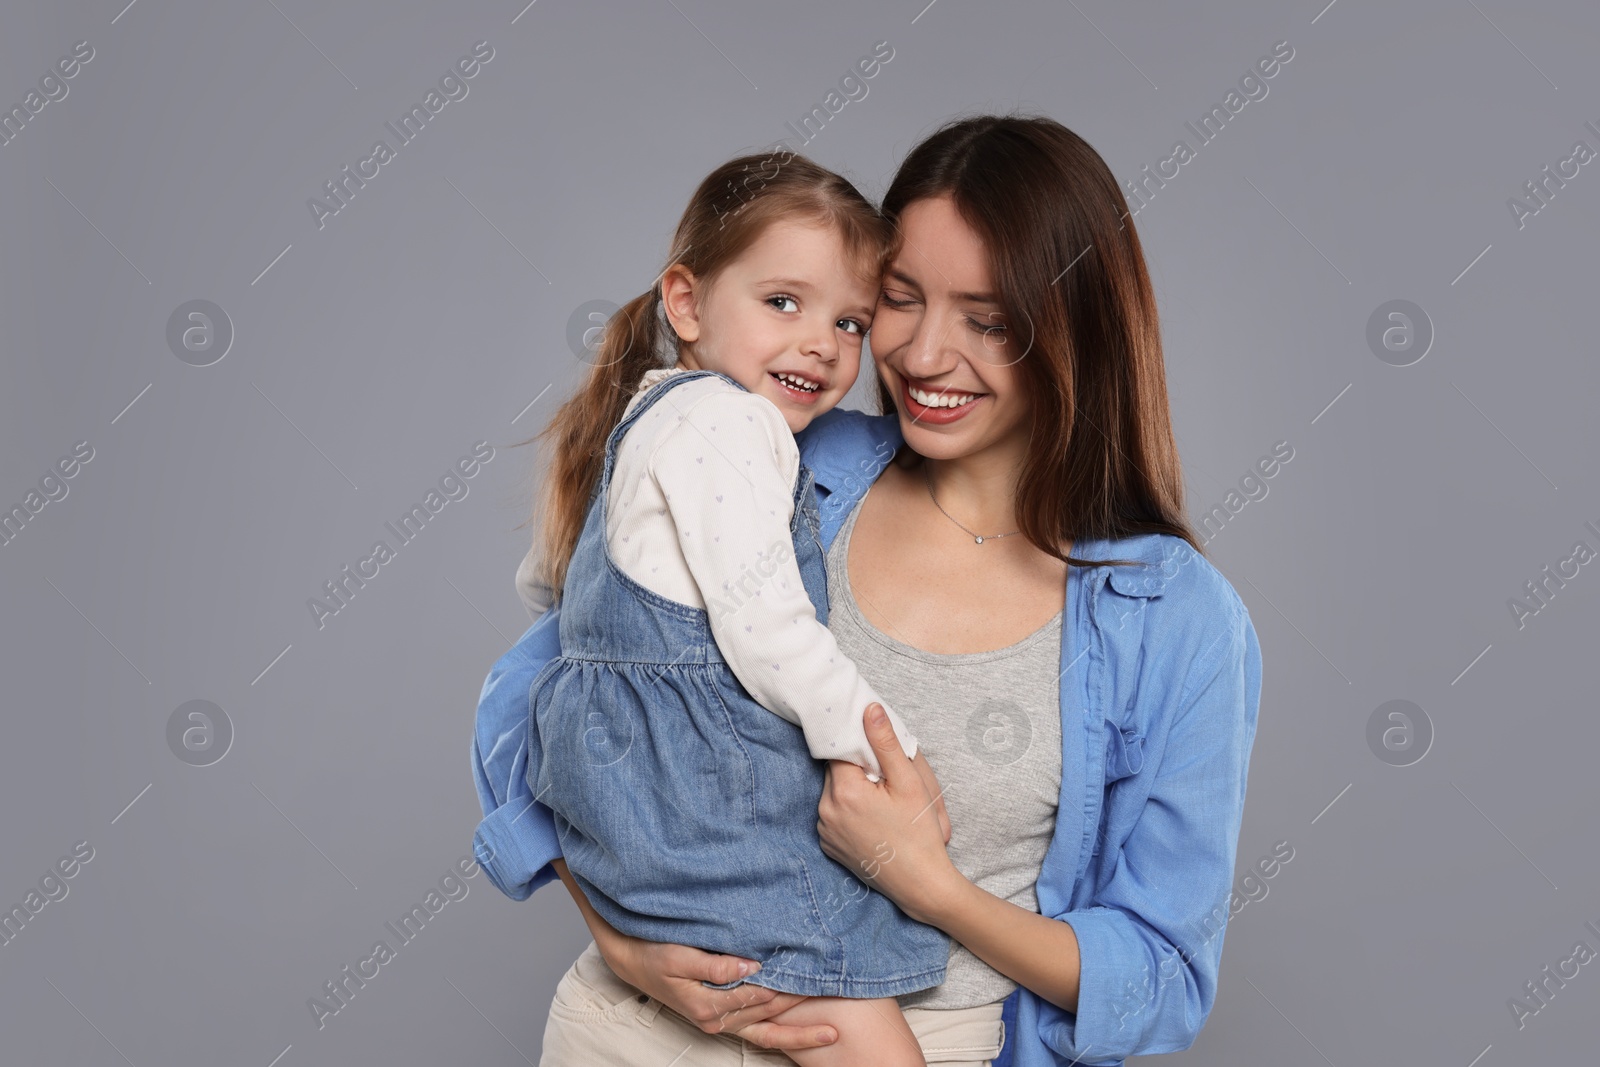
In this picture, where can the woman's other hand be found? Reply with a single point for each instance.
(672, 974)
(882, 830)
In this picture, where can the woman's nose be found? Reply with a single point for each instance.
(928, 353)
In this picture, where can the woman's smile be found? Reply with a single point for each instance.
(936, 404)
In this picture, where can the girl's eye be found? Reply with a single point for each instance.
(852, 325)
(782, 298)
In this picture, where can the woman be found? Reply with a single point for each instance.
(1021, 584)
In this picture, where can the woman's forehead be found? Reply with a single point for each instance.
(939, 250)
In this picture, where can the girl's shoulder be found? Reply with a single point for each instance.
(710, 411)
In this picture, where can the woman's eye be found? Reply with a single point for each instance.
(780, 299)
(852, 325)
(892, 301)
(986, 327)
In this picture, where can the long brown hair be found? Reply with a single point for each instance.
(1102, 461)
(732, 208)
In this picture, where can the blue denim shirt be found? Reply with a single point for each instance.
(1158, 711)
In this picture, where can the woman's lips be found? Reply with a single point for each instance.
(939, 416)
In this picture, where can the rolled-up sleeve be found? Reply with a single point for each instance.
(1150, 941)
(516, 840)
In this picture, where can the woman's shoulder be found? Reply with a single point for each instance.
(1181, 587)
(839, 441)
(1175, 623)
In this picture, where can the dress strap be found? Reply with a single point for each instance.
(653, 394)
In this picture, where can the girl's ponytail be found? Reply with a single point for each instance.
(576, 437)
(729, 210)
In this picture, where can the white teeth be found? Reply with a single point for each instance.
(796, 381)
(939, 400)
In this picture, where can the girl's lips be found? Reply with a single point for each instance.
(799, 396)
(937, 416)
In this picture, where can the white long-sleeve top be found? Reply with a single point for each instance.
(701, 497)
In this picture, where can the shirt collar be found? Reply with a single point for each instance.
(846, 449)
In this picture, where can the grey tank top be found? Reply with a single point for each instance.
(989, 724)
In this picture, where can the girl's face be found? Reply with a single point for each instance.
(941, 343)
(785, 320)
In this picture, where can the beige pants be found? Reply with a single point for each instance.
(597, 1018)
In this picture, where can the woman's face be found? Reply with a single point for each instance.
(941, 342)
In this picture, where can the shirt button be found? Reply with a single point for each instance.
(643, 997)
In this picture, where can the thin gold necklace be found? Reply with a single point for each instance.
(977, 537)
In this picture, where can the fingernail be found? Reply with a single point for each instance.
(744, 968)
(875, 713)
(825, 1036)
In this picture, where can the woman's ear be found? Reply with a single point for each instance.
(680, 298)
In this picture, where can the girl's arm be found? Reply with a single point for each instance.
(727, 471)
(672, 974)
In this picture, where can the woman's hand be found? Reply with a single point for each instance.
(930, 782)
(672, 974)
(882, 831)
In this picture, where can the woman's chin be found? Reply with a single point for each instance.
(950, 441)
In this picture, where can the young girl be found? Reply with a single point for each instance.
(681, 731)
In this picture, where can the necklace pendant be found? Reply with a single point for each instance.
(980, 540)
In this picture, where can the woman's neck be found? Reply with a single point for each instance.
(979, 490)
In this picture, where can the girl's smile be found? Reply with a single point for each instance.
(785, 319)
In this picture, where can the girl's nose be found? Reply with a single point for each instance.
(823, 344)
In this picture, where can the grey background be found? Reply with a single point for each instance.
(376, 350)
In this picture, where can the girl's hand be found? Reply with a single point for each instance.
(672, 974)
(886, 831)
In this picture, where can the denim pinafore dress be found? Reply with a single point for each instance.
(686, 811)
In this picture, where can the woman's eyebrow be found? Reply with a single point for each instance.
(971, 298)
